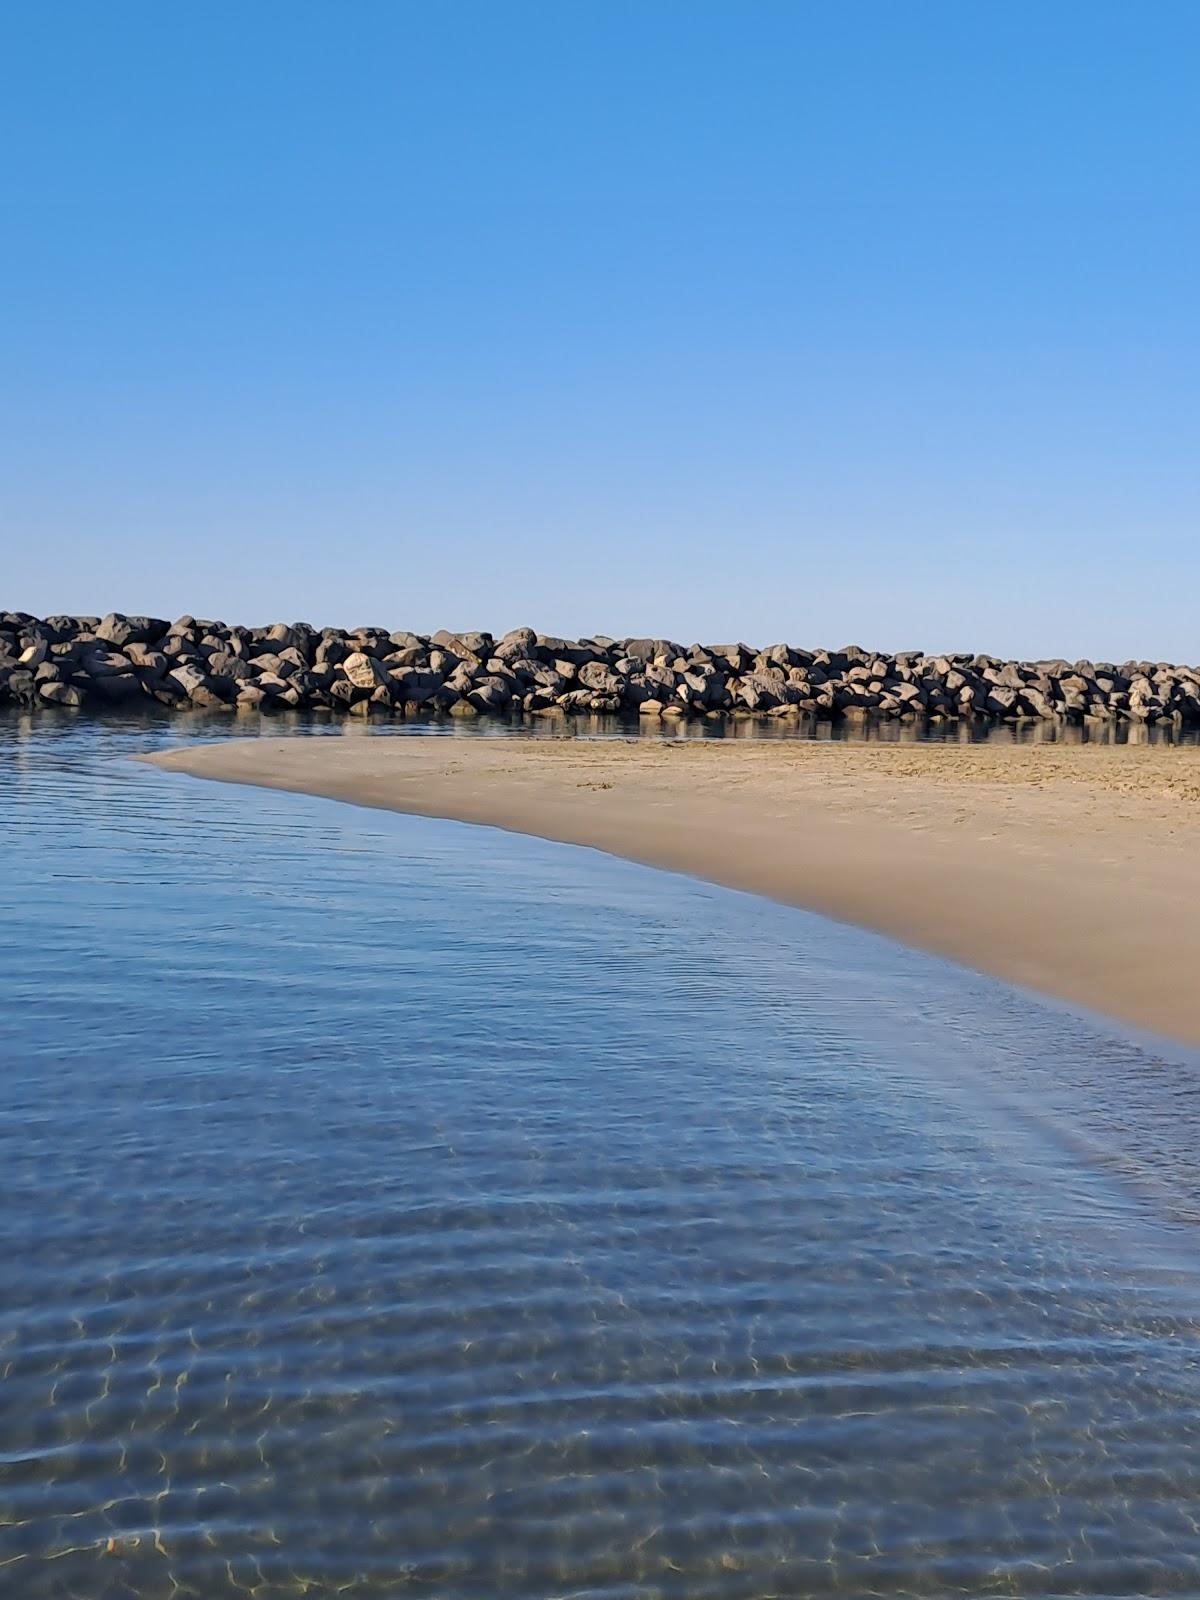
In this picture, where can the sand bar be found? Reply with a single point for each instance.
(1074, 870)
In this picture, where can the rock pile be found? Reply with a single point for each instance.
(128, 661)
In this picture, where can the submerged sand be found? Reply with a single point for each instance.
(1074, 870)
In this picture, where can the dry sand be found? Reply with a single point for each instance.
(1074, 870)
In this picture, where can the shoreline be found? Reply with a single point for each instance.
(1073, 871)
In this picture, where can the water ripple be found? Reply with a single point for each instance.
(390, 1207)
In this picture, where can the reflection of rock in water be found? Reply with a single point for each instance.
(385, 1214)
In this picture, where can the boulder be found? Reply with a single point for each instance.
(222, 665)
(150, 663)
(188, 677)
(210, 663)
(100, 663)
(61, 694)
(464, 644)
(759, 691)
(418, 687)
(207, 697)
(490, 694)
(594, 675)
(118, 686)
(120, 630)
(364, 671)
(517, 641)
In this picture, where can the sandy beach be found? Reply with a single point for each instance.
(1073, 870)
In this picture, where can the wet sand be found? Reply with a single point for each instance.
(1073, 870)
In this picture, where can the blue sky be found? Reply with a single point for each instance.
(825, 322)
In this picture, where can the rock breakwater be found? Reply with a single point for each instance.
(81, 662)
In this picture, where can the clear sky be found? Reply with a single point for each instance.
(808, 321)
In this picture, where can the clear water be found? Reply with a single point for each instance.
(391, 1207)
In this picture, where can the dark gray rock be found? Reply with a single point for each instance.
(490, 694)
(227, 666)
(61, 694)
(600, 679)
(419, 687)
(188, 677)
(120, 630)
(370, 671)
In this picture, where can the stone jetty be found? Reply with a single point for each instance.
(126, 661)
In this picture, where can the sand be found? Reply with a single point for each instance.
(1073, 870)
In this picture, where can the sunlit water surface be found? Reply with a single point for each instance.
(392, 1207)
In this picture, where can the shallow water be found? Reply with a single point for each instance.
(392, 1207)
(806, 729)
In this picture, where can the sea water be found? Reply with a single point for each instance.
(392, 1207)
